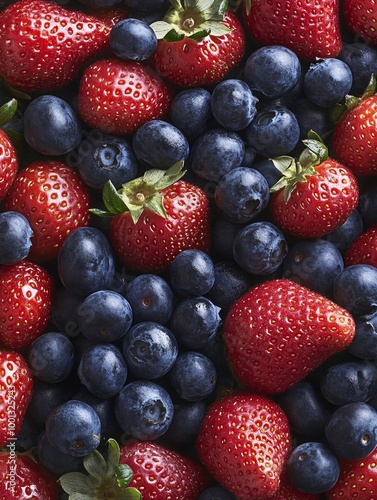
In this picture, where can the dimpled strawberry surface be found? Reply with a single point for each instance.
(188, 273)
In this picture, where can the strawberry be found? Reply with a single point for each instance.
(8, 155)
(118, 96)
(43, 45)
(279, 331)
(244, 440)
(16, 384)
(111, 15)
(363, 250)
(24, 479)
(361, 18)
(54, 199)
(26, 293)
(155, 217)
(311, 28)
(198, 45)
(316, 193)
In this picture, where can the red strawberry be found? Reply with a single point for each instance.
(118, 96)
(26, 293)
(111, 15)
(16, 384)
(8, 155)
(155, 218)
(311, 28)
(279, 331)
(316, 193)
(198, 47)
(363, 250)
(43, 45)
(244, 441)
(361, 18)
(53, 198)
(21, 478)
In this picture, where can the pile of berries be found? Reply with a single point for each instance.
(188, 249)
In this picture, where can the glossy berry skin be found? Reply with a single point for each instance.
(364, 343)
(126, 81)
(15, 237)
(311, 117)
(186, 422)
(192, 273)
(318, 205)
(26, 291)
(54, 200)
(152, 243)
(361, 57)
(133, 39)
(355, 289)
(363, 249)
(231, 423)
(8, 164)
(297, 327)
(343, 235)
(28, 55)
(176, 476)
(54, 461)
(217, 492)
(360, 18)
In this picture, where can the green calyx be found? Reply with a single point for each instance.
(194, 19)
(106, 479)
(140, 193)
(7, 111)
(297, 170)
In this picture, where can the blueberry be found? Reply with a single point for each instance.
(186, 422)
(52, 357)
(190, 111)
(343, 235)
(266, 167)
(102, 370)
(144, 410)
(273, 132)
(242, 194)
(361, 57)
(216, 492)
(364, 343)
(104, 316)
(351, 431)
(310, 116)
(151, 298)
(86, 262)
(224, 232)
(355, 289)
(150, 350)
(15, 237)
(159, 144)
(27, 436)
(132, 39)
(99, 4)
(192, 273)
(146, 5)
(272, 70)
(368, 203)
(51, 126)
(313, 468)
(56, 462)
(259, 248)
(73, 428)
(64, 312)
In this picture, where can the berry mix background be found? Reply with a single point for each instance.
(188, 249)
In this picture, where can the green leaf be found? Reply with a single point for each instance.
(162, 29)
(199, 35)
(113, 456)
(95, 464)
(136, 214)
(7, 111)
(247, 5)
(80, 496)
(112, 199)
(283, 163)
(75, 482)
(101, 213)
(129, 494)
(153, 176)
(216, 29)
(176, 4)
(156, 205)
(123, 474)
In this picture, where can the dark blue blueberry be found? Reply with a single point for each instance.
(351, 431)
(104, 316)
(273, 132)
(242, 194)
(266, 167)
(27, 437)
(313, 468)
(159, 144)
(132, 39)
(314, 264)
(64, 312)
(190, 111)
(310, 116)
(233, 104)
(355, 289)
(343, 235)
(52, 357)
(215, 153)
(327, 82)
(73, 428)
(193, 376)
(101, 157)
(216, 492)
(15, 237)
(144, 410)
(186, 422)
(150, 350)
(54, 461)
(368, 203)
(249, 157)
(151, 298)
(51, 126)
(102, 370)
(349, 382)
(364, 343)
(99, 4)
(146, 5)
(195, 321)
(272, 70)
(259, 248)
(224, 232)
(361, 57)
(86, 262)
(192, 273)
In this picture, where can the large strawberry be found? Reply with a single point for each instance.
(16, 384)
(53, 198)
(363, 250)
(43, 45)
(244, 441)
(361, 18)
(26, 294)
(199, 42)
(279, 331)
(117, 96)
(8, 156)
(311, 28)
(155, 217)
(315, 195)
